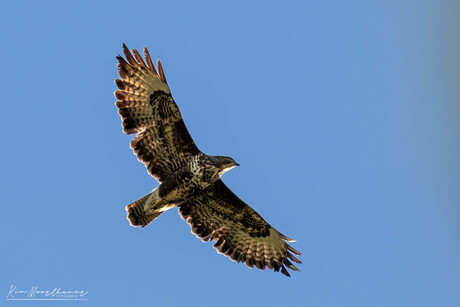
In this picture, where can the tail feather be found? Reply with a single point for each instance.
(138, 216)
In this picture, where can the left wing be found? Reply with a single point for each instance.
(241, 233)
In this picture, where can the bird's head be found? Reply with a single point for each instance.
(224, 164)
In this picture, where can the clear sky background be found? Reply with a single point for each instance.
(344, 116)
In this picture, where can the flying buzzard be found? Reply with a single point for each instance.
(189, 179)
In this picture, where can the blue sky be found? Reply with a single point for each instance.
(344, 117)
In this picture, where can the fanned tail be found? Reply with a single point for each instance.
(139, 215)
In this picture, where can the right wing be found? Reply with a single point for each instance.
(147, 108)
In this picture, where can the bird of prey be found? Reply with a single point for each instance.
(189, 179)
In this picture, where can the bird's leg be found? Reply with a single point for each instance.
(154, 202)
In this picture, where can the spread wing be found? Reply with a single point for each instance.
(241, 233)
(147, 109)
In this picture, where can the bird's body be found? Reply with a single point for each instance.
(189, 179)
(199, 173)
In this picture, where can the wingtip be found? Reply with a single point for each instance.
(149, 61)
(293, 250)
(285, 272)
(129, 56)
(286, 238)
(138, 58)
(119, 58)
(160, 70)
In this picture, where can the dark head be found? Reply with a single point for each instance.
(224, 164)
